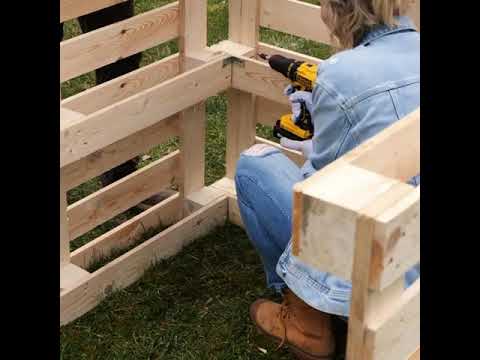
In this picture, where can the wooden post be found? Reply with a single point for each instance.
(193, 38)
(243, 29)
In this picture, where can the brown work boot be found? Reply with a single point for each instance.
(307, 331)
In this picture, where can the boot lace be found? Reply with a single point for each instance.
(284, 314)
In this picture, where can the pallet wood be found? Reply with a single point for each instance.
(141, 110)
(121, 237)
(95, 209)
(129, 267)
(193, 38)
(278, 15)
(71, 9)
(122, 87)
(113, 122)
(106, 45)
(243, 28)
(256, 77)
(119, 152)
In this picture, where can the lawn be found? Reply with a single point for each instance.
(194, 305)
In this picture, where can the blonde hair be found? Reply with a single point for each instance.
(349, 20)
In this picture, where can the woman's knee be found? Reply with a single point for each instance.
(252, 164)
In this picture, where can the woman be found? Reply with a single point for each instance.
(373, 82)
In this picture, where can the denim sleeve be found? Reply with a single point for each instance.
(331, 126)
(414, 181)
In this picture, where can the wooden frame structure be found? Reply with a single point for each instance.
(109, 124)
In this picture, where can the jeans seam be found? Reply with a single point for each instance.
(263, 191)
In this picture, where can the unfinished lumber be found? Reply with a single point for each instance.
(119, 152)
(70, 276)
(371, 311)
(128, 233)
(330, 207)
(108, 44)
(295, 17)
(95, 209)
(64, 236)
(71, 9)
(243, 28)
(144, 109)
(240, 127)
(393, 332)
(122, 87)
(193, 38)
(69, 117)
(268, 111)
(129, 267)
(256, 77)
(268, 49)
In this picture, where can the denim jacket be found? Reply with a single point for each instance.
(361, 91)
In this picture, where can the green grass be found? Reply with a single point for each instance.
(195, 305)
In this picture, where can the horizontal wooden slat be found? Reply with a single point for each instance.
(256, 77)
(137, 112)
(395, 152)
(117, 153)
(330, 207)
(275, 50)
(295, 156)
(268, 111)
(108, 44)
(71, 9)
(69, 117)
(296, 18)
(118, 197)
(163, 214)
(122, 87)
(129, 267)
(394, 333)
(397, 241)
(70, 275)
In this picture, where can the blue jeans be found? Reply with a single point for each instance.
(264, 184)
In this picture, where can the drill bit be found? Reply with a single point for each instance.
(264, 56)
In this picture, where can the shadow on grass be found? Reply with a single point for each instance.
(192, 306)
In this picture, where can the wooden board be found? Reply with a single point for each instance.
(240, 127)
(395, 333)
(256, 77)
(329, 211)
(119, 152)
(144, 109)
(71, 275)
(95, 209)
(397, 241)
(193, 38)
(108, 44)
(120, 88)
(71, 9)
(275, 50)
(129, 267)
(126, 234)
(296, 18)
(64, 237)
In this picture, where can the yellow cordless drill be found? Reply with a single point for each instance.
(303, 76)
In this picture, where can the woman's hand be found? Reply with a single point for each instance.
(298, 100)
(305, 147)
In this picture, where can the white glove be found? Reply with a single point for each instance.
(297, 99)
(305, 147)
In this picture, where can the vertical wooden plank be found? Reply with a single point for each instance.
(243, 29)
(64, 238)
(193, 37)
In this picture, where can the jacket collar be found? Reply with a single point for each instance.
(404, 24)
